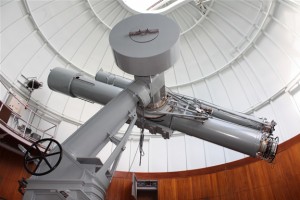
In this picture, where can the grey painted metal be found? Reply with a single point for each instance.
(145, 44)
(115, 156)
(103, 124)
(235, 117)
(70, 177)
(74, 84)
(225, 133)
(228, 115)
(80, 175)
(217, 111)
(76, 179)
(232, 136)
(112, 79)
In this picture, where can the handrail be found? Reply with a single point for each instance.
(13, 123)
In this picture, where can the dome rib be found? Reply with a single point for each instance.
(251, 42)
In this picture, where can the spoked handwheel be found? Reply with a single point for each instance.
(34, 154)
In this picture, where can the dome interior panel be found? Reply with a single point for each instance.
(288, 15)
(180, 71)
(279, 59)
(236, 93)
(14, 36)
(107, 61)
(113, 15)
(242, 24)
(295, 93)
(74, 108)
(225, 27)
(89, 110)
(211, 50)
(5, 2)
(11, 65)
(224, 44)
(246, 83)
(120, 16)
(55, 11)
(65, 129)
(86, 47)
(185, 18)
(289, 112)
(39, 64)
(158, 149)
(170, 77)
(244, 8)
(285, 37)
(188, 57)
(202, 91)
(186, 90)
(77, 39)
(201, 56)
(44, 13)
(57, 97)
(135, 156)
(195, 156)
(268, 113)
(250, 72)
(231, 155)
(3, 94)
(192, 11)
(214, 154)
(102, 45)
(42, 96)
(35, 5)
(103, 12)
(57, 23)
(268, 79)
(11, 13)
(124, 163)
(176, 153)
(218, 92)
(128, 76)
(105, 152)
(77, 26)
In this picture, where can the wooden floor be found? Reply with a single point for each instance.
(244, 179)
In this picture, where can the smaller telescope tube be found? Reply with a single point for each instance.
(112, 79)
(74, 84)
(217, 112)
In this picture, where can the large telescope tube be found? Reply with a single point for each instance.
(216, 111)
(243, 139)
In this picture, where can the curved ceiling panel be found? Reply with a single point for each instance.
(243, 55)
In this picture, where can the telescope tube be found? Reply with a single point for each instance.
(233, 136)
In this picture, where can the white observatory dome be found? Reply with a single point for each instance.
(240, 54)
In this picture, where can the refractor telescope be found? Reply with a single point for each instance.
(145, 46)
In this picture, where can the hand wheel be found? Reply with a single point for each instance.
(34, 154)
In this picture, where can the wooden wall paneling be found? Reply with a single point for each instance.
(167, 189)
(11, 170)
(202, 187)
(120, 189)
(127, 189)
(244, 179)
(290, 162)
(184, 188)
